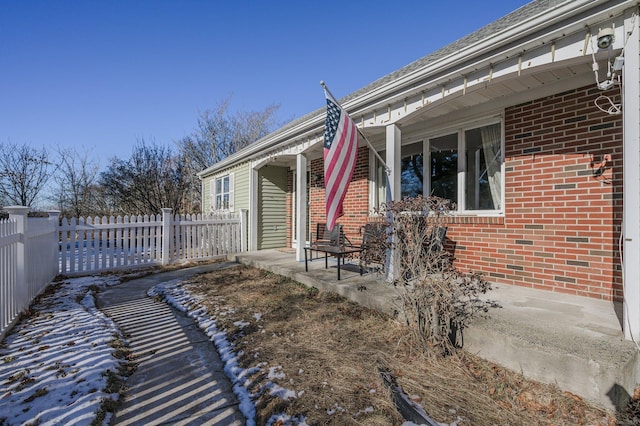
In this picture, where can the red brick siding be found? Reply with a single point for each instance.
(356, 202)
(561, 224)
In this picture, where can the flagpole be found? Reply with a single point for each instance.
(386, 168)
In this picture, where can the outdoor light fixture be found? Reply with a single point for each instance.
(317, 180)
(606, 37)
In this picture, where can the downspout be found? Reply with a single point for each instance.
(631, 178)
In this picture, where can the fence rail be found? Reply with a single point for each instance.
(101, 244)
(27, 261)
(34, 250)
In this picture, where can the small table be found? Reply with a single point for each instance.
(338, 252)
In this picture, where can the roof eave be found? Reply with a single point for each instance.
(370, 98)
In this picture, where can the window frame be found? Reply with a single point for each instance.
(215, 207)
(459, 129)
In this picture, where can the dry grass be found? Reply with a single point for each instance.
(330, 350)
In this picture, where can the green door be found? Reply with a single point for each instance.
(272, 207)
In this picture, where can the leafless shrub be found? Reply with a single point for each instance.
(437, 300)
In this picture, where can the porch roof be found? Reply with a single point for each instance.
(498, 36)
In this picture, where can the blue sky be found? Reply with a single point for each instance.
(99, 75)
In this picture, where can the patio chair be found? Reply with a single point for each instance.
(324, 237)
(374, 237)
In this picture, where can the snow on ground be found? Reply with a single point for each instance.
(179, 298)
(54, 364)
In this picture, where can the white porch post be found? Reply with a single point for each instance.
(631, 194)
(393, 159)
(301, 205)
(393, 142)
(253, 209)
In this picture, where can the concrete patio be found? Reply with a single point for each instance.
(574, 342)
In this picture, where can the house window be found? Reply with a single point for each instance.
(463, 165)
(378, 182)
(443, 162)
(222, 193)
(474, 180)
(483, 181)
(411, 170)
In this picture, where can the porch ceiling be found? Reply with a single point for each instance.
(509, 91)
(493, 96)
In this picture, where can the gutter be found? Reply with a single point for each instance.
(509, 35)
(374, 97)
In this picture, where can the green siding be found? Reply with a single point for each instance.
(272, 218)
(241, 193)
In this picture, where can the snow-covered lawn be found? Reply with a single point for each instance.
(55, 365)
(59, 365)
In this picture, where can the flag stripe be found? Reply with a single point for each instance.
(339, 168)
(341, 175)
(340, 155)
(336, 158)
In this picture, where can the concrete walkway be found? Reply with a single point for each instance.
(179, 379)
(574, 342)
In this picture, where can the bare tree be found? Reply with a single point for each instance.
(151, 179)
(221, 133)
(76, 193)
(24, 172)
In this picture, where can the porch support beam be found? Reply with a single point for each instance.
(301, 205)
(253, 209)
(631, 194)
(393, 142)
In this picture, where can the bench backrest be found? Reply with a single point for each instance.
(335, 237)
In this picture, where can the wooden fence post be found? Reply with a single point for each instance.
(243, 229)
(19, 214)
(166, 236)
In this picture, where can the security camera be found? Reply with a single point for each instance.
(605, 38)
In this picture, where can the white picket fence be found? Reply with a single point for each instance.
(28, 261)
(101, 244)
(34, 250)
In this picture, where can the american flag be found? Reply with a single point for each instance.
(340, 154)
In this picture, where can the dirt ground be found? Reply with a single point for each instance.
(324, 354)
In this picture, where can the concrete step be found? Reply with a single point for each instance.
(574, 342)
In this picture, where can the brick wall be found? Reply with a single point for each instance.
(356, 202)
(562, 212)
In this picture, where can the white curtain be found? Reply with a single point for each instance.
(491, 143)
